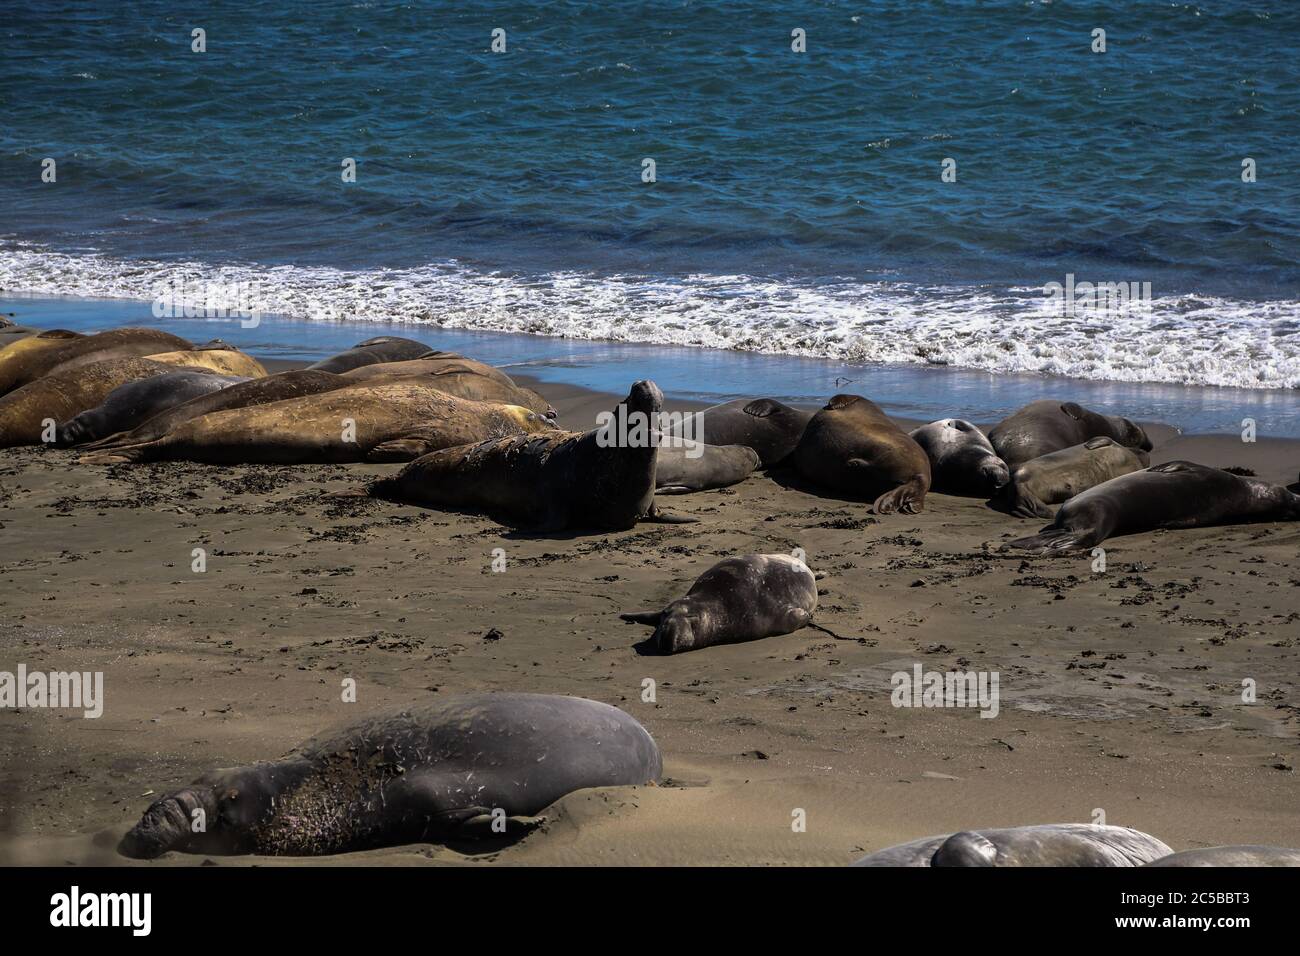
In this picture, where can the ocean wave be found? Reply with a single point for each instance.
(1184, 339)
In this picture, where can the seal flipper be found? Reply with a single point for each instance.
(643, 617)
(965, 849)
(794, 618)
(908, 498)
(1056, 541)
(665, 517)
(1024, 504)
(399, 449)
(1074, 410)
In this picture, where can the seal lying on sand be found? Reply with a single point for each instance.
(683, 466)
(26, 412)
(962, 460)
(1177, 494)
(1232, 856)
(763, 424)
(436, 363)
(738, 599)
(387, 421)
(1048, 844)
(135, 402)
(1047, 426)
(851, 446)
(20, 349)
(436, 772)
(1060, 475)
(383, 348)
(544, 482)
(217, 358)
(462, 377)
(258, 391)
(82, 350)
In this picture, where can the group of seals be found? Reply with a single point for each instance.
(67, 350)
(1060, 475)
(429, 773)
(383, 348)
(767, 426)
(139, 401)
(738, 599)
(544, 482)
(1047, 426)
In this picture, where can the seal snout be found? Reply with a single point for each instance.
(164, 826)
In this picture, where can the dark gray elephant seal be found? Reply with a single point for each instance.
(258, 391)
(427, 774)
(763, 424)
(1177, 494)
(544, 482)
(1047, 426)
(136, 402)
(1232, 856)
(1049, 844)
(962, 460)
(684, 466)
(738, 599)
(383, 348)
(1060, 475)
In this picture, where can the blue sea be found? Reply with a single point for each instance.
(798, 206)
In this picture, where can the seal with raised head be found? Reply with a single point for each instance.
(738, 599)
(1060, 475)
(136, 402)
(769, 427)
(26, 412)
(1048, 844)
(683, 466)
(83, 349)
(436, 772)
(545, 482)
(962, 460)
(851, 446)
(1048, 425)
(385, 421)
(382, 348)
(1232, 856)
(1177, 494)
(259, 391)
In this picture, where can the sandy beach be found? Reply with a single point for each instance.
(1121, 692)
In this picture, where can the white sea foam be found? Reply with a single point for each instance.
(1190, 339)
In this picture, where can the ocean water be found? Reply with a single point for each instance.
(798, 206)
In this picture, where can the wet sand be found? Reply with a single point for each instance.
(1120, 691)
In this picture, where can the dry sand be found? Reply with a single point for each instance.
(1120, 691)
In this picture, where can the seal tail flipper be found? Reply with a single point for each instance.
(673, 490)
(119, 455)
(1025, 504)
(665, 517)
(643, 617)
(399, 449)
(908, 498)
(1055, 541)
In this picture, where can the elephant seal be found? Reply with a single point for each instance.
(430, 773)
(1048, 425)
(383, 348)
(436, 363)
(84, 349)
(544, 482)
(462, 377)
(222, 360)
(136, 402)
(1049, 844)
(1177, 494)
(738, 599)
(386, 421)
(764, 424)
(58, 397)
(1232, 856)
(852, 446)
(685, 466)
(22, 348)
(259, 391)
(1060, 475)
(962, 461)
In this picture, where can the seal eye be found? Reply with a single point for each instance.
(232, 794)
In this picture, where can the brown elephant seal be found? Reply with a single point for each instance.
(259, 391)
(1049, 844)
(84, 349)
(386, 421)
(383, 348)
(684, 466)
(544, 482)
(26, 412)
(136, 402)
(436, 363)
(222, 360)
(1232, 856)
(436, 772)
(22, 348)
(1060, 475)
(738, 599)
(769, 427)
(1177, 494)
(851, 446)
(962, 460)
(1047, 426)
(462, 377)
